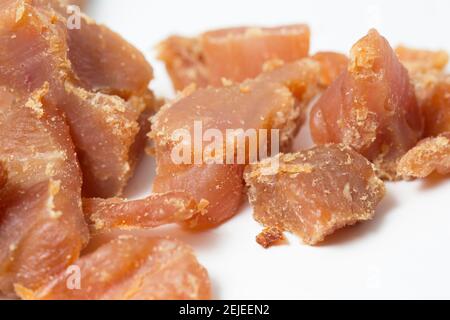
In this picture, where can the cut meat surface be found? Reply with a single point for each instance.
(430, 155)
(36, 47)
(276, 100)
(234, 54)
(131, 268)
(314, 192)
(42, 228)
(151, 212)
(372, 107)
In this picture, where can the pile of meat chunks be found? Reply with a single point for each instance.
(76, 114)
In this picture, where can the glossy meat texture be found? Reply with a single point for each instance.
(276, 100)
(430, 155)
(151, 212)
(42, 228)
(372, 107)
(36, 48)
(332, 64)
(131, 268)
(234, 54)
(314, 192)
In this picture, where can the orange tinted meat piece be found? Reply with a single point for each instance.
(430, 155)
(371, 107)
(314, 192)
(42, 229)
(332, 65)
(132, 268)
(235, 54)
(269, 237)
(422, 60)
(426, 70)
(432, 86)
(35, 50)
(275, 100)
(153, 211)
(437, 109)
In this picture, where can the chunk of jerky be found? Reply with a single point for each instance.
(151, 212)
(426, 70)
(42, 228)
(131, 268)
(430, 155)
(314, 192)
(235, 54)
(432, 86)
(35, 50)
(372, 107)
(332, 64)
(276, 100)
(417, 60)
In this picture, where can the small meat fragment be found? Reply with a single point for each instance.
(269, 237)
(332, 65)
(42, 228)
(314, 192)
(151, 212)
(130, 268)
(234, 54)
(430, 155)
(36, 47)
(276, 100)
(372, 107)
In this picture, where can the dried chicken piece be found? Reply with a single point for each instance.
(372, 107)
(422, 60)
(430, 155)
(42, 228)
(426, 70)
(36, 48)
(276, 100)
(432, 86)
(235, 54)
(131, 268)
(151, 212)
(314, 192)
(269, 237)
(332, 64)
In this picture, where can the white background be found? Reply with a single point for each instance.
(403, 253)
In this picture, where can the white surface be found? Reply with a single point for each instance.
(403, 253)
